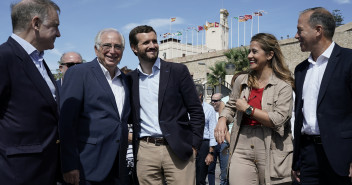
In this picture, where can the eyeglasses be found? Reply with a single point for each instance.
(107, 47)
(69, 64)
(214, 101)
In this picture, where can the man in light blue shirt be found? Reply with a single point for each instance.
(206, 151)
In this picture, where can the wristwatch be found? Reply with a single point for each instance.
(249, 111)
(211, 153)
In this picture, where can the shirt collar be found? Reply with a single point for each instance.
(29, 48)
(155, 67)
(326, 54)
(106, 72)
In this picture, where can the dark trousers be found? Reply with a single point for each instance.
(315, 168)
(201, 167)
(221, 151)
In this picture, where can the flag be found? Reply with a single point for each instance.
(248, 17)
(235, 18)
(205, 27)
(216, 24)
(211, 25)
(200, 28)
(173, 19)
(242, 19)
(258, 14)
(178, 33)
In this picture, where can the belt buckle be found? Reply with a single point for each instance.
(157, 141)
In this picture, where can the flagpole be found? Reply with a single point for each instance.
(252, 26)
(258, 20)
(202, 42)
(197, 41)
(238, 32)
(192, 41)
(172, 37)
(244, 33)
(231, 33)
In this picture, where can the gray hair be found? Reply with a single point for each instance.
(199, 89)
(23, 12)
(97, 39)
(323, 17)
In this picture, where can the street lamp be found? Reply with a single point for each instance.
(209, 90)
(230, 68)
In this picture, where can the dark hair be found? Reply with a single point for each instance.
(323, 17)
(139, 29)
(23, 12)
(268, 43)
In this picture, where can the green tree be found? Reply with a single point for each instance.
(338, 17)
(237, 56)
(217, 71)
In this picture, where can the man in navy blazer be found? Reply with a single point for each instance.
(323, 113)
(95, 108)
(29, 97)
(168, 118)
(67, 60)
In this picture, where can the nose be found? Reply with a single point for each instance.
(250, 55)
(58, 34)
(296, 36)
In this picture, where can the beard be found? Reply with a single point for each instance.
(147, 58)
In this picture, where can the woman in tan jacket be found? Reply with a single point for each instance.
(260, 105)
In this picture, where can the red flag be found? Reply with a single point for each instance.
(173, 19)
(200, 28)
(216, 24)
(248, 17)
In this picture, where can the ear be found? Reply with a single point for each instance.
(319, 30)
(270, 55)
(35, 23)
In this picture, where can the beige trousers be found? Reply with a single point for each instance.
(247, 164)
(158, 163)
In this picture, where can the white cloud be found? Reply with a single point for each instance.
(342, 1)
(156, 23)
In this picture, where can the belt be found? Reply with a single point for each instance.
(316, 139)
(155, 140)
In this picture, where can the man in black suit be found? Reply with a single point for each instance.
(323, 113)
(168, 118)
(95, 107)
(29, 97)
(67, 60)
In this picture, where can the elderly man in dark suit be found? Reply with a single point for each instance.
(323, 124)
(29, 97)
(95, 107)
(168, 118)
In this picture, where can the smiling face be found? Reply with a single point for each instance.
(257, 57)
(147, 48)
(109, 57)
(306, 35)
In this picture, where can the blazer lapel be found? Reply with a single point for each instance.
(135, 92)
(104, 84)
(33, 73)
(300, 77)
(329, 71)
(163, 81)
(126, 105)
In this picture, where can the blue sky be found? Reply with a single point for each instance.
(82, 19)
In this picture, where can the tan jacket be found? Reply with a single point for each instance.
(277, 101)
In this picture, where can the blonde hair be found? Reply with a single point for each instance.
(268, 43)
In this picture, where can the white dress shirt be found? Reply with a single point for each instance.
(37, 58)
(311, 89)
(116, 87)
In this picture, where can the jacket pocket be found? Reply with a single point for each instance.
(347, 134)
(25, 149)
(280, 163)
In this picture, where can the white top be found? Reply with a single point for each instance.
(311, 89)
(116, 87)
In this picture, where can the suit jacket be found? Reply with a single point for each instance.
(92, 133)
(28, 120)
(334, 110)
(177, 99)
(58, 83)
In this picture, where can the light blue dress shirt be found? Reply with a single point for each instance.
(37, 58)
(210, 123)
(148, 96)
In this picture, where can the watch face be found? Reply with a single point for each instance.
(249, 110)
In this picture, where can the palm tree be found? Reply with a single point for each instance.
(217, 72)
(238, 56)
